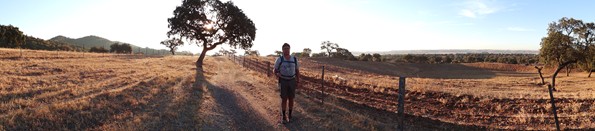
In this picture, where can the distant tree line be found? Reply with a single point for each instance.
(463, 58)
(98, 50)
(333, 50)
(12, 37)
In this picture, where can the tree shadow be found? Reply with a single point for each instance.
(232, 105)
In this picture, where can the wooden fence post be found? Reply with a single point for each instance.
(401, 105)
(554, 107)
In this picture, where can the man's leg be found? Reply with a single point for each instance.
(283, 90)
(291, 95)
(284, 106)
(290, 107)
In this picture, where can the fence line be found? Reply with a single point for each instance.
(264, 67)
(359, 95)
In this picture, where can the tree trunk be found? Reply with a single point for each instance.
(201, 58)
(199, 76)
(540, 74)
(590, 71)
(560, 67)
(173, 52)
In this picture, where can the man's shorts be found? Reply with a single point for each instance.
(287, 88)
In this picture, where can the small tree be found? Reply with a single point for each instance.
(278, 53)
(377, 57)
(343, 54)
(126, 48)
(120, 48)
(172, 44)
(329, 47)
(298, 54)
(232, 52)
(251, 53)
(306, 52)
(321, 54)
(366, 57)
(114, 48)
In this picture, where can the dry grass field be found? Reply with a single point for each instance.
(501, 96)
(49, 90)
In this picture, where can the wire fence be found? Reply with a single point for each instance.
(432, 103)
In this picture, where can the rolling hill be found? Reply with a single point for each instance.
(87, 41)
(95, 41)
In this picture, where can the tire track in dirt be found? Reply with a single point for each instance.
(109, 78)
(173, 107)
(67, 93)
(58, 93)
(232, 100)
(126, 86)
(260, 93)
(106, 111)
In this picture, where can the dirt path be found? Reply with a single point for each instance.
(236, 98)
(240, 99)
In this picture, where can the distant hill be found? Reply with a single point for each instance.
(87, 41)
(453, 51)
(95, 41)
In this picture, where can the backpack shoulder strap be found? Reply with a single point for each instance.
(280, 62)
(295, 60)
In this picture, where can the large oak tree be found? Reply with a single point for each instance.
(568, 41)
(210, 23)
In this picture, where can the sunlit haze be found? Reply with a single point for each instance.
(357, 25)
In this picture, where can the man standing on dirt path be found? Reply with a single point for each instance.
(286, 69)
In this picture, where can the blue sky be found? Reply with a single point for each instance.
(358, 25)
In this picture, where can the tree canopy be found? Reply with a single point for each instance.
(121, 48)
(210, 23)
(568, 41)
(11, 37)
(172, 44)
(329, 47)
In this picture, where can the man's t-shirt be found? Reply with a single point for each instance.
(287, 68)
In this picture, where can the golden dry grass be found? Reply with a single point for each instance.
(50, 90)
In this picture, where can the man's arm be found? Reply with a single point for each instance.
(275, 70)
(297, 75)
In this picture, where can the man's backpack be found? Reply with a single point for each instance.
(283, 60)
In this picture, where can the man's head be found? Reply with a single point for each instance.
(286, 48)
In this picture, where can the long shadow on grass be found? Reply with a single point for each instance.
(233, 106)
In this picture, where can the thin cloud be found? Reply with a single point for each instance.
(476, 8)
